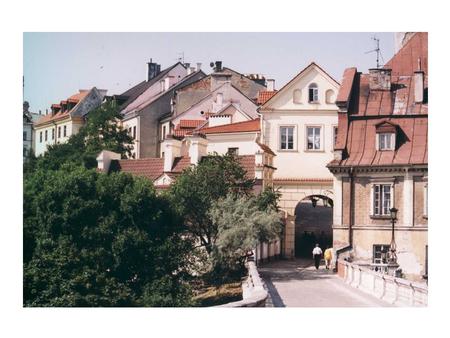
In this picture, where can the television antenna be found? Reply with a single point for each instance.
(377, 50)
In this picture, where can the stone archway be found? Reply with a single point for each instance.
(313, 224)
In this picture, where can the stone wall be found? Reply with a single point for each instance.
(253, 292)
(397, 291)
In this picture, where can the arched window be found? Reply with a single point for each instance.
(313, 93)
(297, 96)
(329, 96)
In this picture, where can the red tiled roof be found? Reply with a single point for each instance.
(369, 108)
(190, 123)
(74, 99)
(152, 168)
(265, 95)
(248, 164)
(238, 127)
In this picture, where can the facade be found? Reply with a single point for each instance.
(299, 124)
(381, 161)
(143, 105)
(28, 130)
(223, 97)
(66, 118)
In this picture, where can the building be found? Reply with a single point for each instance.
(65, 118)
(223, 97)
(381, 161)
(299, 124)
(144, 104)
(28, 130)
(188, 150)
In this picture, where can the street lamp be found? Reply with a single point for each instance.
(393, 255)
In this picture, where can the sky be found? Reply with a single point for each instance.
(57, 65)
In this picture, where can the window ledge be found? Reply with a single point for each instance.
(287, 150)
(386, 217)
(314, 151)
(313, 102)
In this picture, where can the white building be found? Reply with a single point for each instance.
(299, 124)
(65, 119)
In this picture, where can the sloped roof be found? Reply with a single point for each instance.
(238, 127)
(366, 108)
(151, 168)
(264, 96)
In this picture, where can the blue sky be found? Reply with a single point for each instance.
(56, 65)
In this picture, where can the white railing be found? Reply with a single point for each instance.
(253, 292)
(394, 290)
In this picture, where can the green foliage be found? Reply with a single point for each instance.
(102, 131)
(268, 199)
(101, 240)
(198, 187)
(241, 226)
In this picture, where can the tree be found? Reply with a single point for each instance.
(241, 226)
(102, 131)
(198, 187)
(92, 239)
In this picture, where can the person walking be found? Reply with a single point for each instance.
(317, 254)
(328, 255)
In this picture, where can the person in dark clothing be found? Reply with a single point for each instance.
(317, 255)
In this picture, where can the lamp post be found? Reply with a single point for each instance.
(393, 248)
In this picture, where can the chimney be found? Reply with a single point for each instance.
(172, 149)
(218, 66)
(153, 69)
(380, 79)
(167, 83)
(270, 85)
(197, 148)
(104, 160)
(199, 66)
(418, 86)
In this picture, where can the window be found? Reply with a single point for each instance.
(53, 133)
(24, 135)
(134, 132)
(297, 97)
(59, 132)
(313, 93)
(40, 137)
(163, 132)
(386, 141)
(335, 132)
(382, 199)
(65, 131)
(380, 253)
(286, 138)
(46, 135)
(425, 200)
(313, 138)
(233, 151)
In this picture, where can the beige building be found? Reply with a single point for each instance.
(299, 124)
(381, 162)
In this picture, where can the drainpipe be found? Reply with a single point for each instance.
(352, 207)
(261, 126)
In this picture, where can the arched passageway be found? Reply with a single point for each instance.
(313, 224)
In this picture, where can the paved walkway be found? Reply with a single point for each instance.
(297, 283)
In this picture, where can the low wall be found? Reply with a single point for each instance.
(266, 251)
(394, 290)
(253, 292)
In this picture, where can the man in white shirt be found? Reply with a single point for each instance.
(317, 254)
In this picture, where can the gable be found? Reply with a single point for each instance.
(295, 94)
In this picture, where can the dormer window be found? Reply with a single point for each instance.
(386, 134)
(313, 91)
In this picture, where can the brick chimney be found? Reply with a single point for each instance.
(418, 86)
(380, 79)
(153, 69)
(270, 83)
(172, 149)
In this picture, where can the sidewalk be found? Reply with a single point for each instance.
(297, 283)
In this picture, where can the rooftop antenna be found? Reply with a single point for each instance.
(377, 50)
(181, 57)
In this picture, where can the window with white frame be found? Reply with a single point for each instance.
(287, 138)
(65, 131)
(40, 137)
(313, 141)
(382, 199)
(335, 131)
(313, 91)
(46, 135)
(24, 135)
(233, 151)
(386, 141)
(134, 132)
(380, 253)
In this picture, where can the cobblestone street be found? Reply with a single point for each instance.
(296, 283)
